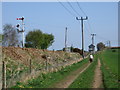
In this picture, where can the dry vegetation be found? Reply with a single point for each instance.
(18, 62)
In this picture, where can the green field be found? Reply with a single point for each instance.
(109, 60)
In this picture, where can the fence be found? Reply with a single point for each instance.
(31, 72)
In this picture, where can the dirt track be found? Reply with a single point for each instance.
(98, 76)
(70, 78)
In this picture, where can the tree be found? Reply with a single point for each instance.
(48, 39)
(10, 36)
(37, 39)
(77, 50)
(100, 46)
(71, 48)
(1, 39)
(34, 39)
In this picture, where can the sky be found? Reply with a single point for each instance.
(53, 18)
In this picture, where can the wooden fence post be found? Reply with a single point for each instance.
(46, 65)
(30, 65)
(3, 75)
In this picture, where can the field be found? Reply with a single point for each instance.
(109, 59)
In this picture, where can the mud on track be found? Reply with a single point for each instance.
(98, 76)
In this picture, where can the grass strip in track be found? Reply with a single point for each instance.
(85, 80)
(46, 80)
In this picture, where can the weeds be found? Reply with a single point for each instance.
(49, 79)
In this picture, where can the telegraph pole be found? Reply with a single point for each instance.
(82, 19)
(93, 38)
(65, 38)
(109, 44)
(93, 41)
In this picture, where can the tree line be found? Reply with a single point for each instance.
(33, 39)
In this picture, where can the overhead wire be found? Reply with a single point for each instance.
(101, 37)
(67, 9)
(85, 15)
(81, 8)
(90, 30)
(73, 8)
(78, 13)
(87, 29)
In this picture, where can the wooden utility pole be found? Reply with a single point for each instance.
(65, 38)
(82, 33)
(3, 75)
(109, 44)
(93, 42)
(93, 38)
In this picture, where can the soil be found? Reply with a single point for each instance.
(98, 76)
(18, 59)
(65, 82)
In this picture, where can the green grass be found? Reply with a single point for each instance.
(49, 79)
(109, 60)
(85, 80)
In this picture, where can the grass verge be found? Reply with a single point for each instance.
(109, 60)
(46, 80)
(110, 80)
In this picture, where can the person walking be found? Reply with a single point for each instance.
(91, 58)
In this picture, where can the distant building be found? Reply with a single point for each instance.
(68, 49)
(91, 48)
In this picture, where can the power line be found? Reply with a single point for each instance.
(89, 25)
(73, 8)
(87, 29)
(67, 9)
(81, 8)
(84, 14)
(101, 38)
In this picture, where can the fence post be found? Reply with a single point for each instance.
(30, 65)
(3, 75)
(46, 64)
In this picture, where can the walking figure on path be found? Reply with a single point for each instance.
(91, 58)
